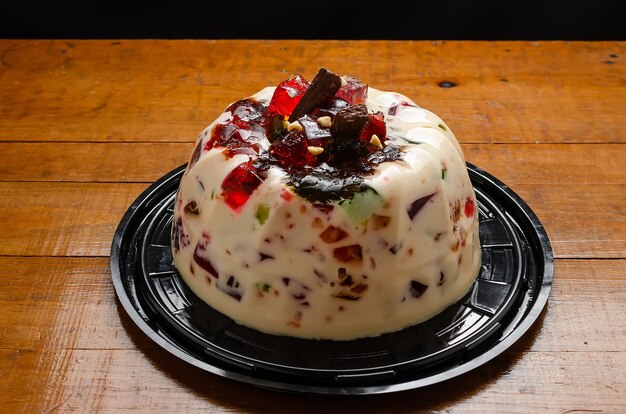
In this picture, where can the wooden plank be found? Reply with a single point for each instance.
(159, 90)
(90, 162)
(87, 354)
(50, 302)
(79, 219)
(87, 125)
(149, 380)
(61, 219)
(145, 162)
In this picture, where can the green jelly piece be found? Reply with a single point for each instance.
(362, 205)
(262, 213)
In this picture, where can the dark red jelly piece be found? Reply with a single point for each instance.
(315, 134)
(179, 236)
(237, 137)
(417, 289)
(247, 110)
(375, 126)
(239, 184)
(353, 91)
(202, 261)
(470, 208)
(330, 108)
(417, 205)
(290, 151)
(394, 109)
(287, 95)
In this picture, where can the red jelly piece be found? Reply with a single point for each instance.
(353, 91)
(470, 207)
(179, 236)
(376, 125)
(287, 95)
(239, 184)
(290, 151)
(237, 136)
(247, 110)
(199, 252)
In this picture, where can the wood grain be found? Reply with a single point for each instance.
(61, 219)
(169, 90)
(87, 363)
(152, 380)
(87, 125)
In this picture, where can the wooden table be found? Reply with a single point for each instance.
(85, 126)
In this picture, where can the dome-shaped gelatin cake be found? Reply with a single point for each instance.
(327, 210)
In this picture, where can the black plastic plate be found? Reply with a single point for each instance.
(508, 296)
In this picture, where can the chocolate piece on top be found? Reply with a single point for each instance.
(345, 145)
(324, 86)
(350, 121)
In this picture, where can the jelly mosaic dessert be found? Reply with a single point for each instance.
(326, 209)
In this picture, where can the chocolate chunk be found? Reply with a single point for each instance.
(350, 121)
(323, 87)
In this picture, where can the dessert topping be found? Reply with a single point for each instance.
(315, 150)
(376, 141)
(320, 133)
(324, 121)
(323, 87)
(294, 126)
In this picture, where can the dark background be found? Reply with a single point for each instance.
(322, 19)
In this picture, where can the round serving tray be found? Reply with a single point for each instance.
(508, 296)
